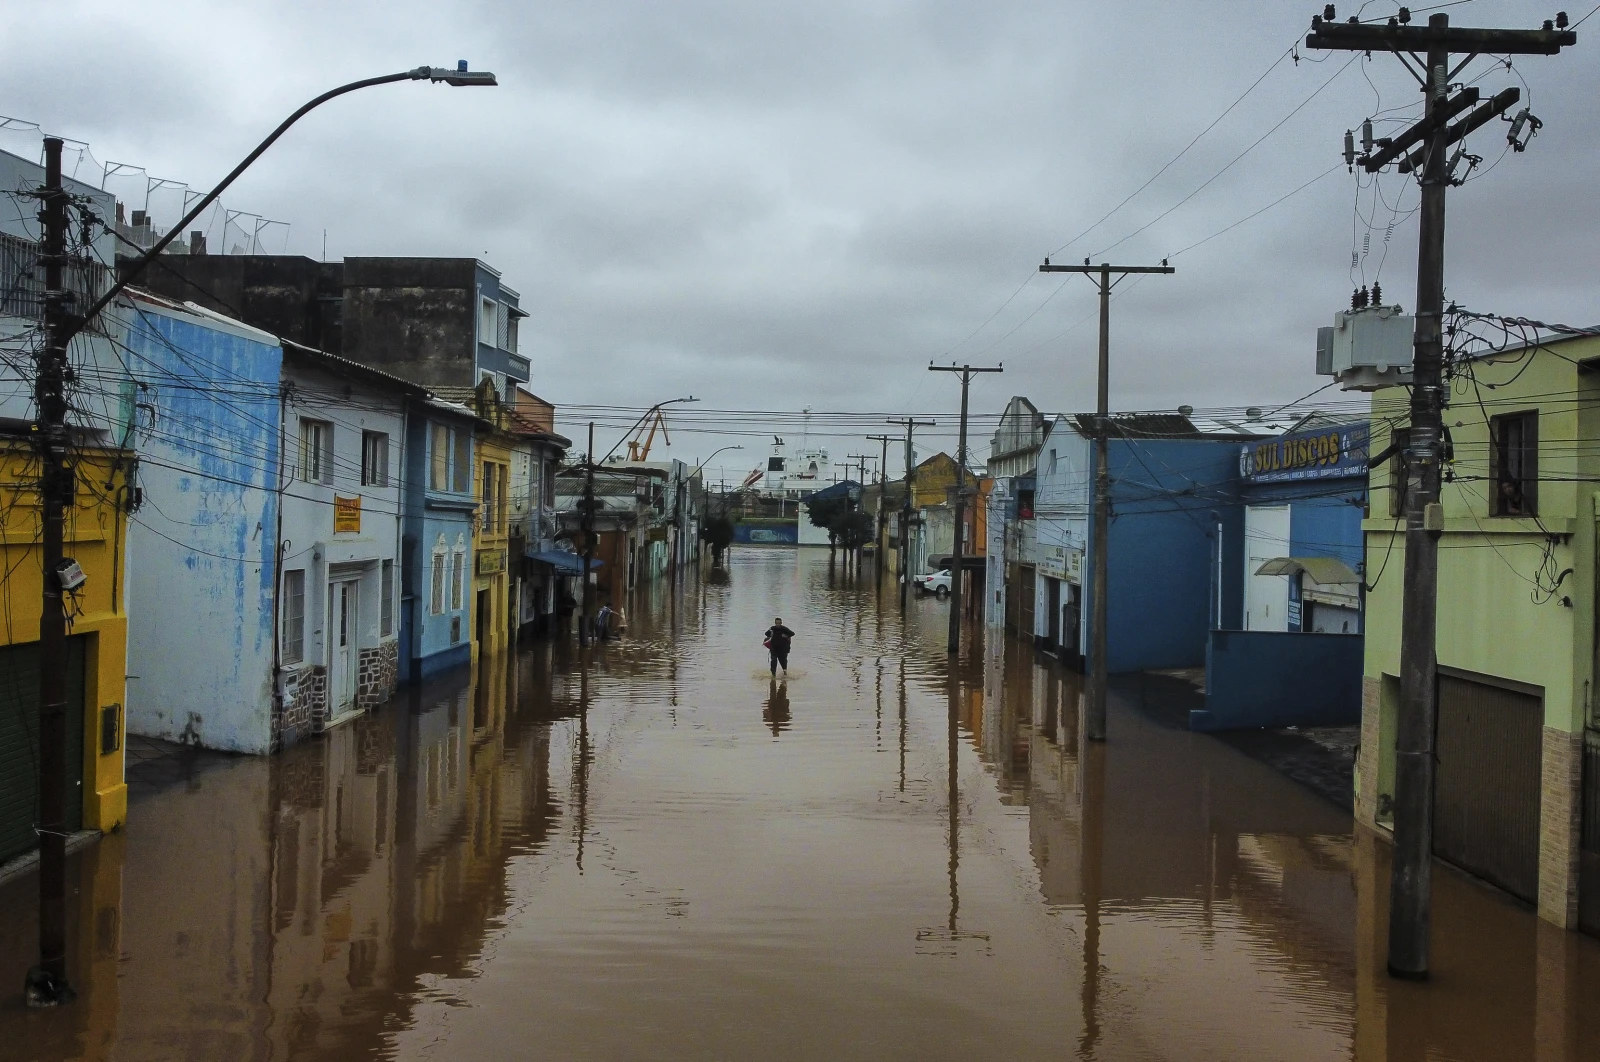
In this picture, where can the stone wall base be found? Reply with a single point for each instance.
(1560, 786)
(1368, 753)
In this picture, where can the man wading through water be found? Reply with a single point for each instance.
(777, 642)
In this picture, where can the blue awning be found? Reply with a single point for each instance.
(563, 562)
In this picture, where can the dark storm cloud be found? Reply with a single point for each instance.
(776, 205)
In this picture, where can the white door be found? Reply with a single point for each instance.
(344, 657)
(1266, 597)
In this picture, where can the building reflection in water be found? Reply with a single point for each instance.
(289, 912)
(1220, 904)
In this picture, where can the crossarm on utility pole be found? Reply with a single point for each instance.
(1460, 130)
(1355, 37)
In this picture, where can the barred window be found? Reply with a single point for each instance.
(294, 616)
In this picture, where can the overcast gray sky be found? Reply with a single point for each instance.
(780, 205)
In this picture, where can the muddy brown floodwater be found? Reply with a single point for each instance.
(667, 855)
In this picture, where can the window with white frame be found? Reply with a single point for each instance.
(374, 459)
(488, 322)
(437, 590)
(438, 457)
(294, 616)
(511, 334)
(386, 623)
(458, 579)
(316, 451)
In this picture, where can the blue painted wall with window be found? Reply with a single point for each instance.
(435, 632)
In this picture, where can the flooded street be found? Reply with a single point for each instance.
(668, 855)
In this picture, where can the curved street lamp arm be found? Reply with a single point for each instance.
(133, 271)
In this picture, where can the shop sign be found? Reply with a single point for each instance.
(491, 561)
(1061, 562)
(1324, 453)
(347, 515)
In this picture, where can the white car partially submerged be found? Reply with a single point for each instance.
(937, 583)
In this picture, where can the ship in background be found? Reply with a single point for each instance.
(794, 473)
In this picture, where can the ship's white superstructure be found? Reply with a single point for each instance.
(796, 471)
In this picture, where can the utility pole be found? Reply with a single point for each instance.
(588, 542)
(1094, 727)
(46, 983)
(853, 553)
(966, 372)
(1411, 880)
(883, 502)
(911, 425)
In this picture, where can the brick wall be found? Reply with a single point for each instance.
(1560, 786)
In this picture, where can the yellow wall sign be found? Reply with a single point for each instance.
(347, 515)
(491, 561)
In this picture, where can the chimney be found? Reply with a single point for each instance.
(140, 219)
(197, 242)
(121, 218)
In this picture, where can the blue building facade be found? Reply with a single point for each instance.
(201, 596)
(435, 630)
(498, 312)
(1293, 654)
(1171, 500)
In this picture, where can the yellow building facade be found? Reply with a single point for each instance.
(96, 538)
(1516, 639)
(491, 536)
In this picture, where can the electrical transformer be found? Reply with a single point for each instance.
(1367, 349)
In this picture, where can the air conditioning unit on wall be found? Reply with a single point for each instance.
(1367, 349)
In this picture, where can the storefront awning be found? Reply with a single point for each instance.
(563, 562)
(1326, 571)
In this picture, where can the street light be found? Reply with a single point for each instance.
(46, 984)
(656, 409)
(714, 453)
(459, 77)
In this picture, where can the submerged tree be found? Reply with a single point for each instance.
(717, 532)
(825, 513)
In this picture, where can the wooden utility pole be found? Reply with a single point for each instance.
(966, 372)
(853, 553)
(911, 425)
(46, 983)
(588, 542)
(1411, 880)
(1095, 710)
(883, 503)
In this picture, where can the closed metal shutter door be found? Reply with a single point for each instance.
(1486, 792)
(1589, 857)
(19, 744)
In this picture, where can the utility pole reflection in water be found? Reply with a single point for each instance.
(1092, 783)
(902, 724)
(950, 935)
(580, 773)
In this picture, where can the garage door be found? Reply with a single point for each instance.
(19, 744)
(1486, 792)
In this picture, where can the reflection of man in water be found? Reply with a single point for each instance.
(776, 712)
